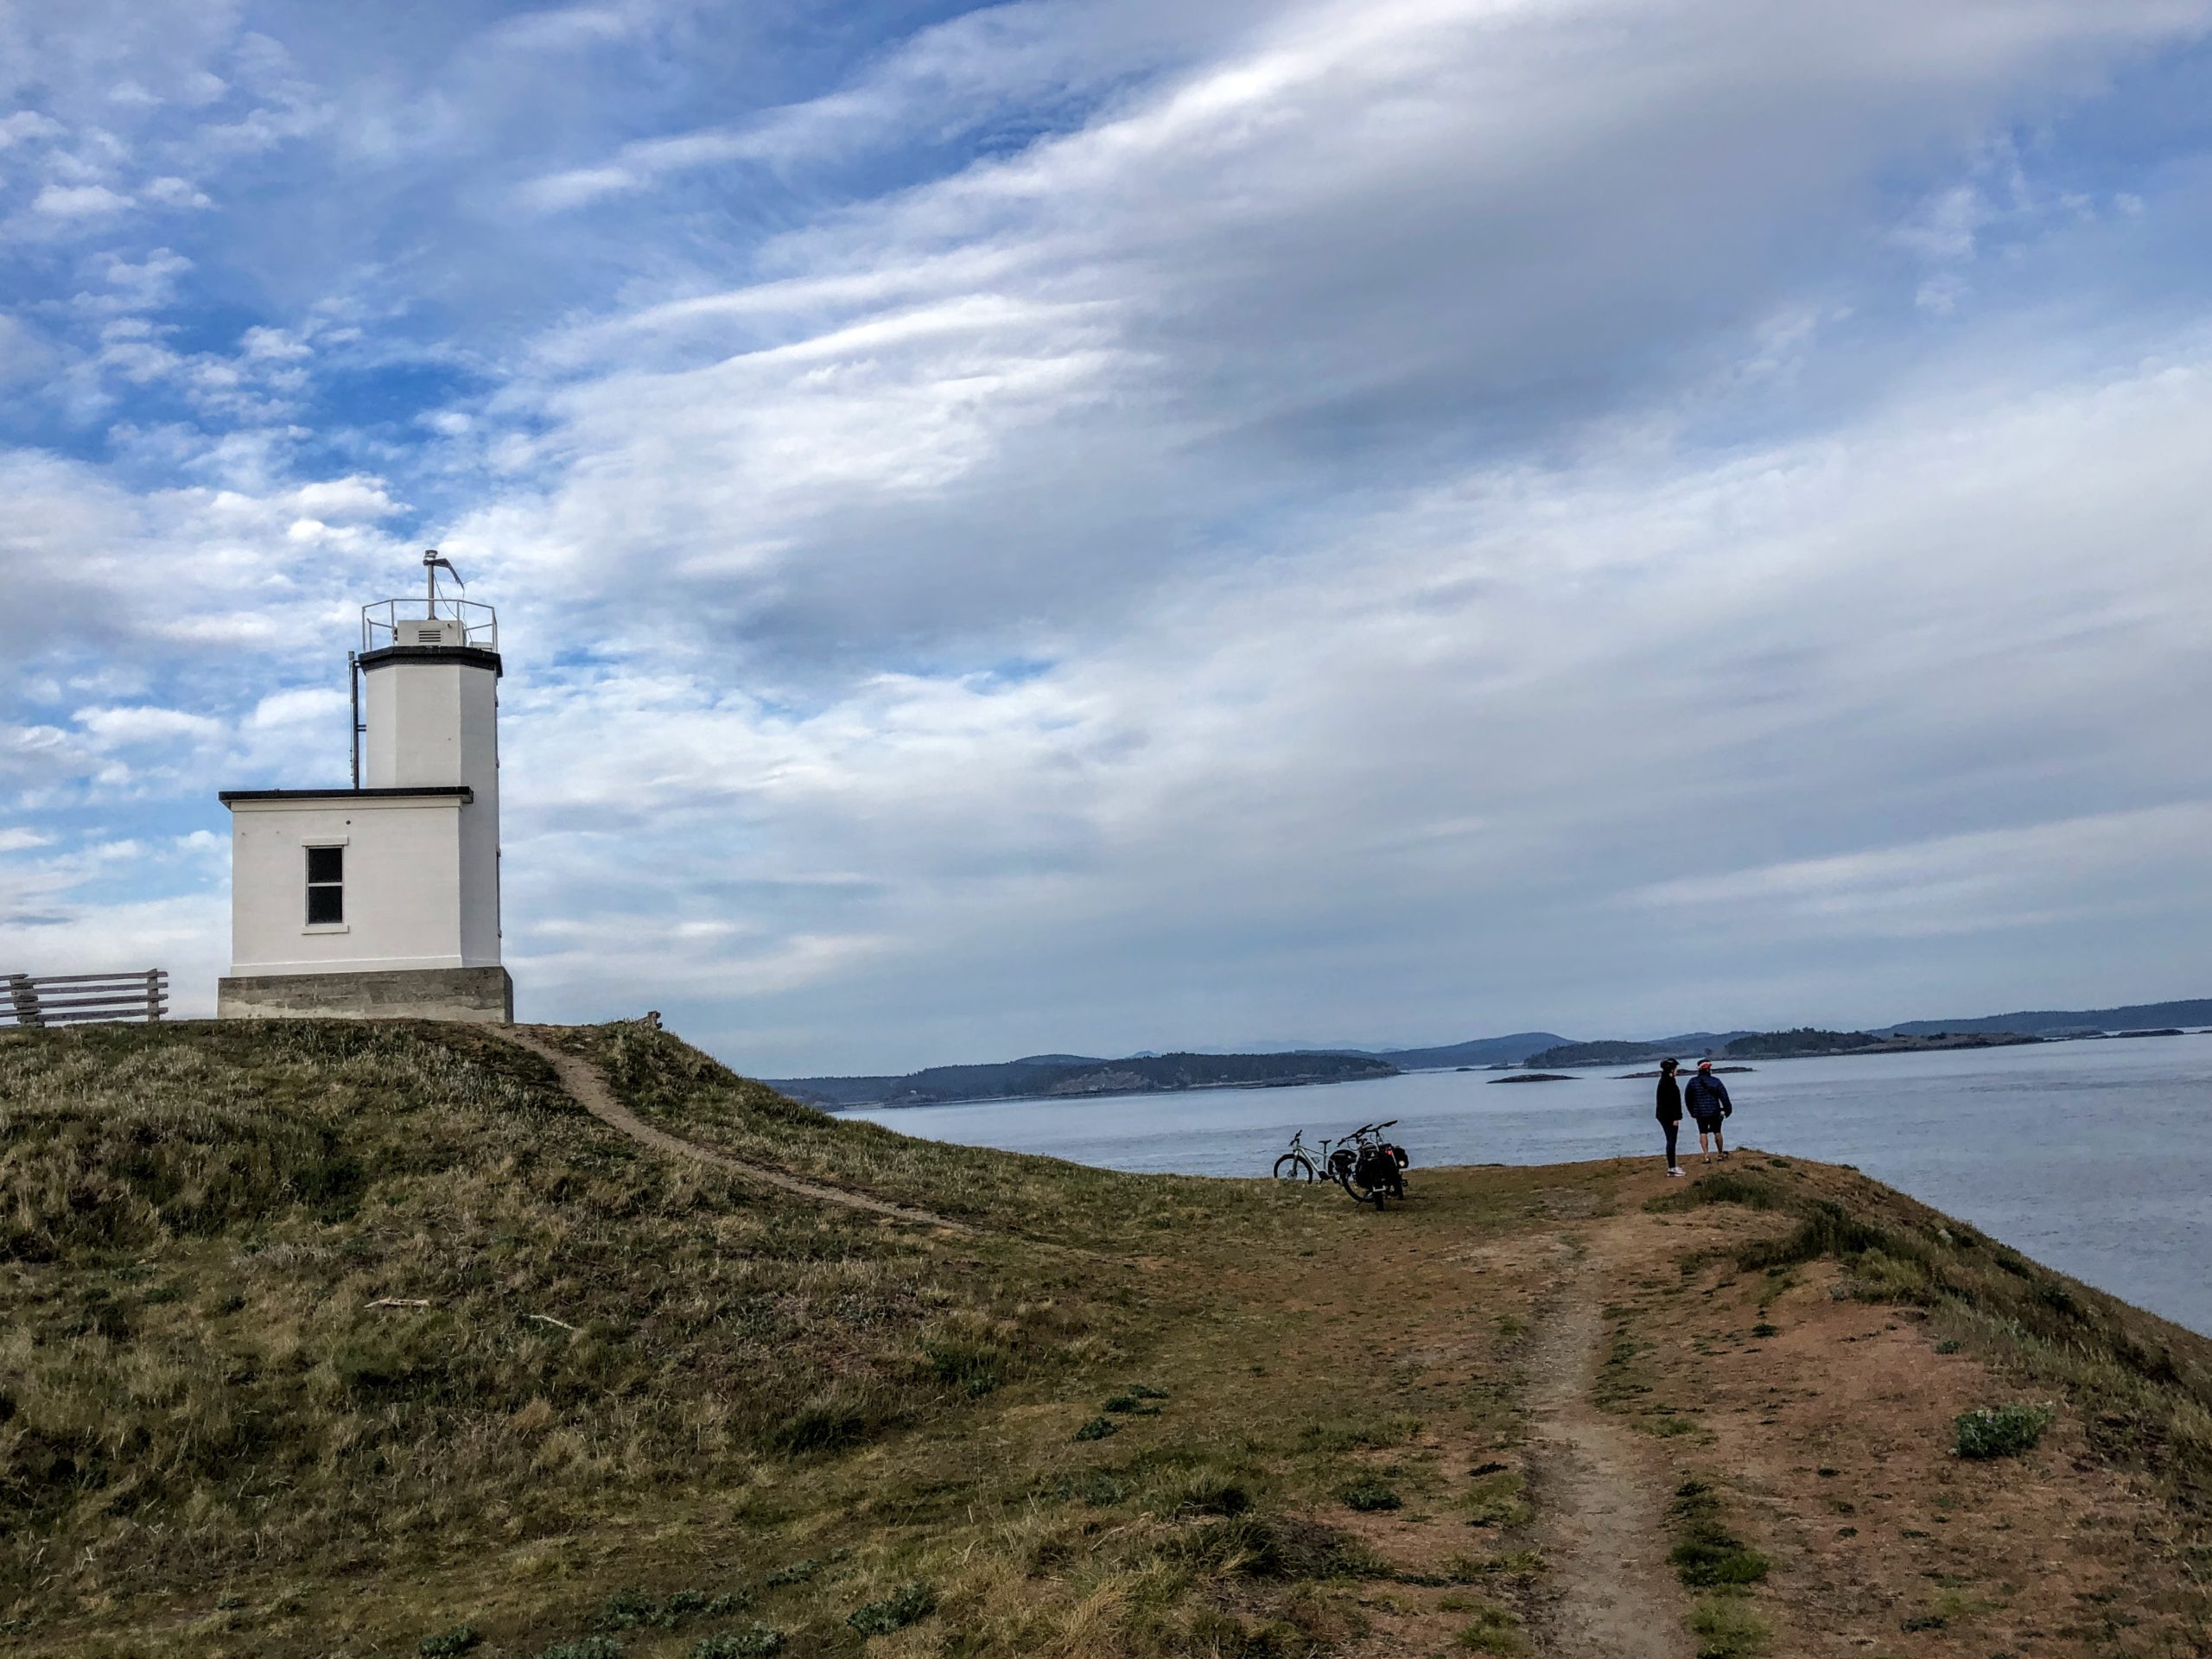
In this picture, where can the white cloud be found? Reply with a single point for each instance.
(146, 284)
(1992, 880)
(121, 728)
(78, 201)
(357, 496)
(967, 73)
(1440, 723)
(1115, 526)
(24, 125)
(171, 192)
(308, 703)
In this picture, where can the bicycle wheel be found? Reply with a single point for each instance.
(1358, 1190)
(1294, 1167)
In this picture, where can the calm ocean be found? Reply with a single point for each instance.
(2094, 1157)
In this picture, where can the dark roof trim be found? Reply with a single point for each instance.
(461, 792)
(467, 655)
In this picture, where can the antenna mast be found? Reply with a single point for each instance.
(434, 561)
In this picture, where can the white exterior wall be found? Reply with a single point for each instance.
(432, 723)
(403, 885)
(480, 819)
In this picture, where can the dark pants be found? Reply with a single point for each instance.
(1673, 1129)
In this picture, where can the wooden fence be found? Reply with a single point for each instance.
(65, 999)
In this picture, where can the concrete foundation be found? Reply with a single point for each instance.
(481, 996)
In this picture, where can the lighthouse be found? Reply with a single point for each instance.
(382, 901)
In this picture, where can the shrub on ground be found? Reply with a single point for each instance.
(1707, 1555)
(903, 1606)
(1367, 1496)
(1999, 1430)
(755, 1641)
(1728, 1627)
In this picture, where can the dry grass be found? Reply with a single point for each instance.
(674, 1086)
(643, 1403)
(603, 1380)
(197, 1385)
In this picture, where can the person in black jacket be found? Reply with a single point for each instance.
(1707, 1099)
(1670, 1111)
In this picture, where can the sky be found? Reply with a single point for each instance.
(1100, 527)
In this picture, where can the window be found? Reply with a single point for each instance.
(326, 886)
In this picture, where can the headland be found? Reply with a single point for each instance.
(356, 1339)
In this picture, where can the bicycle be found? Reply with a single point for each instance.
(1297, 1164)
(1366, 1165)
(1369, 1167)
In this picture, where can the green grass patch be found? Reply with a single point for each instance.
(1368, 1495)
(1728, 1186)
(636, 1609)
(1361, 1434)
(1729, 1627)
(1999, 1430)
(755, 1641)
(909, 1603)
(1495, 1630)
(1497, 1499)
(1706, 1555)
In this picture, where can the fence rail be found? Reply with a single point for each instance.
(68, 999)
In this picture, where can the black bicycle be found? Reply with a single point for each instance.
(1370, 1167)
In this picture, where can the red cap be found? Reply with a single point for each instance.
(1704, 1065)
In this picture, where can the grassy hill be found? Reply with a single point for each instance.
(332, 1339)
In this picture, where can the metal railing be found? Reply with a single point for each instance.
(479, 624)
(68, 999)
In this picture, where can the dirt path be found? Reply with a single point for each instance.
(583, 1082)
(1605, 1531)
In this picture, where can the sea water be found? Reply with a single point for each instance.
(2093, 1157)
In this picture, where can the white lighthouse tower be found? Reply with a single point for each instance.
(382, 901)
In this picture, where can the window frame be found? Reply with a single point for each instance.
(311, 886)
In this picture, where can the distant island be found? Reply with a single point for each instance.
(2072, 1022)
(1075, 1076)
(1806, 1042)
(1068, 1077)
(1690, 1046)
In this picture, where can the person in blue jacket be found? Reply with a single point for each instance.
(1707, 1099)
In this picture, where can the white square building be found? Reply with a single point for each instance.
(383, 900)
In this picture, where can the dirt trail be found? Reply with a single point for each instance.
(583, 1082)
(1606, 1533)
